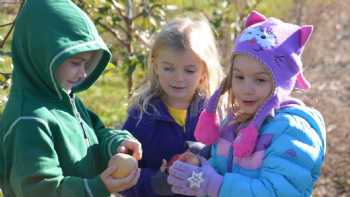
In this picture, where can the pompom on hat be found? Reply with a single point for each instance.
(277, 45)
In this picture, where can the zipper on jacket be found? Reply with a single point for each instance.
(77, 116)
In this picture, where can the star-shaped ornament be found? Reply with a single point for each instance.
(196, 179)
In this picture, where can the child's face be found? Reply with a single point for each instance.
(252, 83)
(73, 70)
(179, 74)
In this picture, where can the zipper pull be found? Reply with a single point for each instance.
(77, 115)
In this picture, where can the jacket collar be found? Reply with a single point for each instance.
(160, 111)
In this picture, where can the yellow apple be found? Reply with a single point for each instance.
(125, 165)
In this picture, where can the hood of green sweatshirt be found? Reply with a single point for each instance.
(47, 32)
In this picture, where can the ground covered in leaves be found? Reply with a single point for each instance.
(330, 94)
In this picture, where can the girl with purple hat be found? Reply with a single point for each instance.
(270, 144)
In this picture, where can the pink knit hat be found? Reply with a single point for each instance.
(278, 45)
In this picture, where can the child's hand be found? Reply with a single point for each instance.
(164, 165)
(132, 147)
(191, 180)
(187, 157)
(190, 158)
(125, 164)
(116, 185)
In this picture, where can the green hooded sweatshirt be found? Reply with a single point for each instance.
(51, 144)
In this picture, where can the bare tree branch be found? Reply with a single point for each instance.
(125, 18)
(140, 38)
(129, 13)
(2, 53)
(113, 32)
(12, 26)
(138, 15)
(7, 24)
(149, 11)
(120, 12)
(121, 28)
(6, 75)
(7, 35)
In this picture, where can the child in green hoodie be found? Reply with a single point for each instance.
(51, 144)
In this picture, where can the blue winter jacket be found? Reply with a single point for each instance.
(161, 138)
(287, 161)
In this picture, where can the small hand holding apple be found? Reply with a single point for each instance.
(187, 157)
(131, 147)
(125, 165)
(191, 180)
(122, 173)
(159, 182)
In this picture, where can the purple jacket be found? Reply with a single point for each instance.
(161, 138)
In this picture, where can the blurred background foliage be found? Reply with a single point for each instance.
(127, 27)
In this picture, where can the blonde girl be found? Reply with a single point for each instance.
(183, 70)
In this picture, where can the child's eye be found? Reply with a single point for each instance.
(168, 68)
(238, 77)
(190, 71)
(261, 80)
(76, 63)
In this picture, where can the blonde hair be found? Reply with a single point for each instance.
(186, 33)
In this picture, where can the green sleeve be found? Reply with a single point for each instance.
(36, 168)
(109, 139)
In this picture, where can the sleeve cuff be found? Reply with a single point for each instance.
(215, 185)
(95, 187)
(115, 142)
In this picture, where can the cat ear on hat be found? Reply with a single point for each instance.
(301, 82)
(304, 36)
(254, 17)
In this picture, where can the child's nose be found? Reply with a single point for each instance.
(82, 72)
(179, 75)
(248, 87)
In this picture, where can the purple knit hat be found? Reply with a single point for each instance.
(278, 45)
